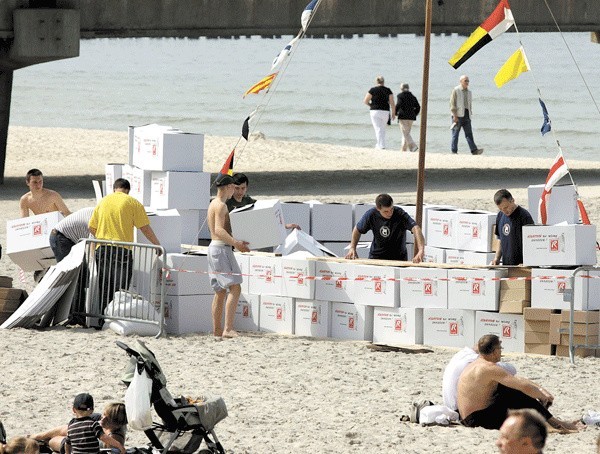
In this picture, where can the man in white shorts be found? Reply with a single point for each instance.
(224, 271)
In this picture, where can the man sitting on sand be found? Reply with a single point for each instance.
(223, 268)
(486, 391)
(40, 200)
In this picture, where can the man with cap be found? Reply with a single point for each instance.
(224, 271)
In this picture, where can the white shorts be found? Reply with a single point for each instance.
(223, 268)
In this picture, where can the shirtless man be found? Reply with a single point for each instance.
(486, 391)
(39, 199)
(223, 269)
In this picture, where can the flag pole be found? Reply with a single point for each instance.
(423, 128)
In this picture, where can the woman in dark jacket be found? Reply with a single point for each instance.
(407, 109)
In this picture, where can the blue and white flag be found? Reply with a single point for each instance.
(307, 14)
(547, 126)
(285, 53)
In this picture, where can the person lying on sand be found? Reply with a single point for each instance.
(486, 391)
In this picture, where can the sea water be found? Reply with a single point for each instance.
(197, 85)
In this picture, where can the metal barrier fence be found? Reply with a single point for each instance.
(121, 282)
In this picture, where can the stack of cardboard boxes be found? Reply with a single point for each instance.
(10, 298)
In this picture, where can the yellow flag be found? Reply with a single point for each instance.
(514, 66)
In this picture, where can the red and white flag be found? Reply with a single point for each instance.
(558, 170)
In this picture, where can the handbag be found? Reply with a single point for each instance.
(137, 400)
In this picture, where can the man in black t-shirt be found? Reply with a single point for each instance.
(389, 225)
(509, 229)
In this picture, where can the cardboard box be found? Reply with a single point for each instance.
(563, 350)
(454, 256)
(341, 248)
(351, 322)
(28, 240)
(261, 224)
(204, 232)
(440, 227)
(508, 327)
(266, 277)
(397, 325)
(554, 329)
(300, 241)
(277, 314)
(531, 337)
(243, 261)
(531, 313)
(478, 258)
(472, 293)
(166, 225)
(376, 286)
(181, 190)
(411, 210)
(297, 279)
(158, 147)
(190, 225)
(512, 306)
(538, 326)
(140, 181)
(540, 349)
(474, 231)
(559, 245)
(358, 211)
(561, 207)
(434, 255)
(331, 221)
(550, 293)
(312, 318)
(187, 275)
(334, 281)
(581, 316)
(515, 295)
(581, 329)
(579, 340)
(188, 314)
(423, 287)
(112, 172)
(449, 327)
(247, 313)
(297, 213)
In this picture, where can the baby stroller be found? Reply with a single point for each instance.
(184, 425)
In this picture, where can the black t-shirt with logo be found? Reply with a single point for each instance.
(389, 235)
(509, 230)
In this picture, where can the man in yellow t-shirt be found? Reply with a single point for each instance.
(114, 219)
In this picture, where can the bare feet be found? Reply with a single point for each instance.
(230, 334)
(218, 333)
(565, 427)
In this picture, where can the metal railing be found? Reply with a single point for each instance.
(121, 282)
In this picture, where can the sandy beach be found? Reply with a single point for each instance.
(285, 394)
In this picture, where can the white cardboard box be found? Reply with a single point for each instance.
(440, 227)
(190, 225)
(261, 224)
(166, 225)
(297, 213)
(423, 287)
(312, 318)
(247, 314)
(244, 264)
(474, 231)
(351, 322)
(549, 293)
(297, 273)
(187, 275)
(298, 241)
(266, 277)
(455, 256)
(478, 258)
(561, 206)
(112, 172)
(376, 286)
(434, 255)
(473, 293)
(188, 314)
(333, 281)
(559, 245)
(358, 210)
(158, 147)
(397, 325)
(141, 183)
(28, 240)
(449, 327)
(331, 221)
(508, 327)
(277, 314)
(204, 231)
(181, 190)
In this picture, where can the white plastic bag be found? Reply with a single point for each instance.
(437, 414)
(137, 401)
(592, 418)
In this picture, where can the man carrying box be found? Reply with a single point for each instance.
(223, 268)
(509, 229)
(389, 225)
(39, 199)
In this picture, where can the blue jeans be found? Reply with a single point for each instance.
(463, 122)
(60, 244)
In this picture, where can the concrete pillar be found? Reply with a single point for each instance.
(6, 80)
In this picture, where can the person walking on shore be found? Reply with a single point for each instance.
(380, 99)
(407, 109)
(461, 108)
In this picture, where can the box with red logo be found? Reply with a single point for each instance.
(157, 147)
(559, 245)
(562, 205)
(334, 281)
(140, 181)
(28, 241)
(312, 318)
(440, 227)
(376, 286)
(434, 255)
(247, 313)
(181, 190)
(423, 287)
(276, 314)
(298, 277)
(455, 257)
(266, 277)
(188, 314)
(166, 224)
(186, 274)
(449, 327)
(475, 289)
(397, 325)
(351, 322)
(548, 286)
(111, 173)
(508, 327)
(243, 261)
(474, 231)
